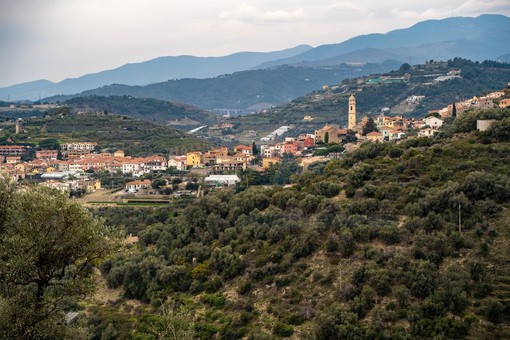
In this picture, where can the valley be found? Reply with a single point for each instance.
(352, 190)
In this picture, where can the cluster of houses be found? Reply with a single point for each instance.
(485, 102)
(81, 157)
(78, 159)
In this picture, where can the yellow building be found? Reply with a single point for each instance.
(194, 159)
(119, 153)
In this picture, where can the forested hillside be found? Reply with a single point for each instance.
(148, 109)
(110, 131)
(242, 90)
(393, 241)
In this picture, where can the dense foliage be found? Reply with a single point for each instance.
(149, 109)
(393, 241)
(110, 131)
(48, 248)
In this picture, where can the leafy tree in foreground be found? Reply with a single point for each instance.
(48, 247)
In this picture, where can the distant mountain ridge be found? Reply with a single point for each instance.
(246, 91)
(486, 37)
(482, 38)
(147, 72)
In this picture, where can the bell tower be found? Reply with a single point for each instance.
(352, 113)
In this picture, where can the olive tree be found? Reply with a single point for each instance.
(49, 246)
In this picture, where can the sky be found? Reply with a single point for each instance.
(58, 39)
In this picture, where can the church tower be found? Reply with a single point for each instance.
(352, 113)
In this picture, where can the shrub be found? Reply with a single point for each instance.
(282, 329)
(214, 300)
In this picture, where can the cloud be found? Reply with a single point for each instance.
(427, 13)
(346, 5)
(484, 6)
(253, 14)
(56, 39)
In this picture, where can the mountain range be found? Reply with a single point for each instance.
(486, 37)
(241, 92)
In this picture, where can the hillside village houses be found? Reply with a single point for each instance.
(81, 157)
(484, 102)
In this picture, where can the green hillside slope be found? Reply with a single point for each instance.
(393, 241)
(148, 109)
(135, 137)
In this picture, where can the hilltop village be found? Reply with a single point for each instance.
(69, 167)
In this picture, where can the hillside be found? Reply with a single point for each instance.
(241, 90)
(330, 105)
(153, 110)
(393, 241)
(110, 131)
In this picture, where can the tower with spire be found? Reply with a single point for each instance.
(352, 113)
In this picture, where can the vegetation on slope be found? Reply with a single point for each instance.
(241, 90)
(48, 247)
(110, 131)
(148, 109)
(393, 241)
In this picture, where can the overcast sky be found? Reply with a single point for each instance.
(58, 39)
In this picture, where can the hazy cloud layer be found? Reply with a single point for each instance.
(56, 39)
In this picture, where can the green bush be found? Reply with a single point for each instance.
(214, 300)
(282, 329)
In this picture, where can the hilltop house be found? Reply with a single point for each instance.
(504, 103)
(331, 133)
(375, 136)
(137, 185)
(77, 149)
(433, 122)
(244, 149)
(178, 162)
(46, 154)
(194, 159)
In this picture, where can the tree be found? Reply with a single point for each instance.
(254, 149)
(48, 247)
(454, 110)
(405, 67)
(49, 144)
(326, 138)
(158, 183)
(369, 126)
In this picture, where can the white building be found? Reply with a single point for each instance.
(433, 122)
(228, 180)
